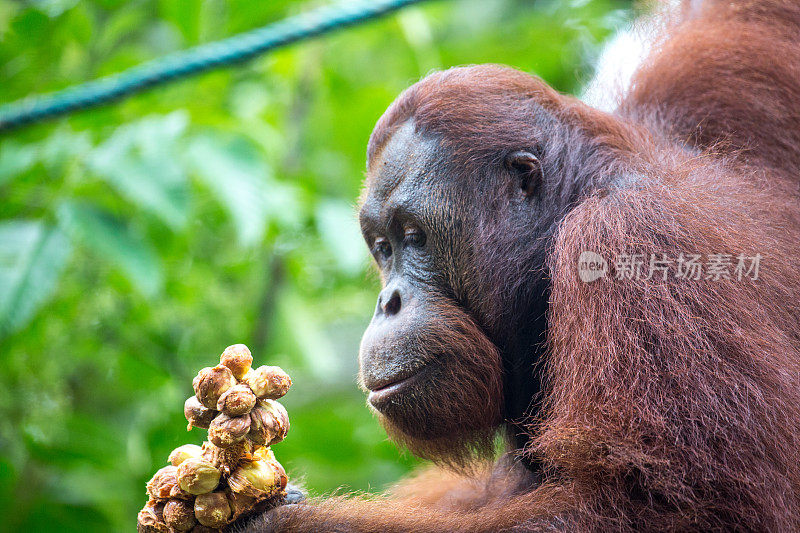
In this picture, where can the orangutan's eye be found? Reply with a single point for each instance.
(414, 237)
(382, 249)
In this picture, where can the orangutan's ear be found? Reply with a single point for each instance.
(528, 169)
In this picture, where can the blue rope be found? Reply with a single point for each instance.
(194, 60)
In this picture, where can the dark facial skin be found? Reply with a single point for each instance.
(401, 231)
(420, 220)
(405, 229)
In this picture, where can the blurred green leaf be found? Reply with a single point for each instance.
(15, 158)
(32, 256)
(140, 161)
(63, 145)
(337, 225)
(120, 25)
(239, 180)
(113, 240)
(315, 345)
(54, 7)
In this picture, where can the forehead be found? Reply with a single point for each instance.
(404, 168)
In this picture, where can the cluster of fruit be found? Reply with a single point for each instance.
(234, 473)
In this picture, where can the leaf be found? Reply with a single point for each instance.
(336, 224)
(237, 180)
(32, 256)
(249, 99)
(15, 159)
(116, 241)
(62, 146)
(120, 24)
(242, 181)
(306, 330)
(140, 161)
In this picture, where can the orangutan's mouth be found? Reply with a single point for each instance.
(385, 392)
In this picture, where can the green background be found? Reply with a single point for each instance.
(139, 239)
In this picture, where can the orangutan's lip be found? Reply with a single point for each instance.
(384, 392)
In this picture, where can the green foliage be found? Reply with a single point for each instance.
(31, 260)
(138, 240)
